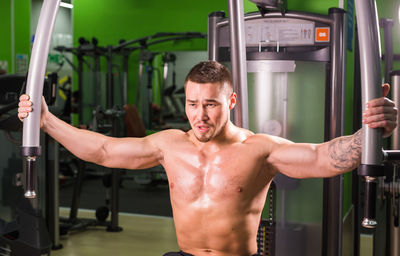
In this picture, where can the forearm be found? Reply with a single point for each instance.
(304, 160)
(127, 153)
(344, 153)
(84, 144)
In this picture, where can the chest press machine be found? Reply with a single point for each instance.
(373, 157)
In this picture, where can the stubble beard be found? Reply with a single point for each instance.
(206, 138)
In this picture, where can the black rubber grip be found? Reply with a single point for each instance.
(395, 73)
(30, 175)
(370, 200)
(31, 151)
(371, 170)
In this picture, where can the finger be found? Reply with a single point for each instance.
(380, 110)
(24, 109)
(22, 115)
(378, 118)
(385, 89)
(389, 130)
(24, 97)
(388, 125)
(25, 103)
(380, 102)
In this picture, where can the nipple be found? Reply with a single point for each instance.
(239, 189)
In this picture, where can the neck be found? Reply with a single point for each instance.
(226, 136)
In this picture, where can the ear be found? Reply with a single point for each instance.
(232, 101)
(385, 89)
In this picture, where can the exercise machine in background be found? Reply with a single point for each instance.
(101, 103)
(152, 92)
(26, 232)
(277, 57)
(106, 117)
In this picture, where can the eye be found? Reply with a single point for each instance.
(211, 105)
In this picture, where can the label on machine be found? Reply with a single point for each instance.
(322, 34)
(279, 32)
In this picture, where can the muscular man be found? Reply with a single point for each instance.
(218, 174)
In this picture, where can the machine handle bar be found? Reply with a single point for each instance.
(391, 156)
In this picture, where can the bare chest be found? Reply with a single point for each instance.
(210, 178)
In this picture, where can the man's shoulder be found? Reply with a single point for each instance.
(257, 137)
(265, 140)
(170, 134)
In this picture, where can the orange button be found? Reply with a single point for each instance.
(322, 34)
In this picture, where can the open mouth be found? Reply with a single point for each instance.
(203, 128)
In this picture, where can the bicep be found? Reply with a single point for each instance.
(130, 153)
(297, 160)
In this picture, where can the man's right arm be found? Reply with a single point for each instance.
(128, 153)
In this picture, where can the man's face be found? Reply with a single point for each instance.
(207, 108)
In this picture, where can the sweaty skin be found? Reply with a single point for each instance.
(218, 174)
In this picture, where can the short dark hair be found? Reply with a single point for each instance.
(210, 72)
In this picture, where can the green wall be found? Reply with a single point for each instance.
(390, 9)
(5, 28)
(110, 21)
(21, 29)
(22, 26)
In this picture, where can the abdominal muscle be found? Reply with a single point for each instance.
(227, 226)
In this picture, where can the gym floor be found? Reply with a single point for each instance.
(142, 235)
(136, 198)
(145, 216)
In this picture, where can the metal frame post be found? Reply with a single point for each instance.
(395, 81)
(334, 127)
(110, 79)
(52, 190)
(238, 59)
(387, 25)
(357, 121)
(125, 76)
(79, 108)
(212, 39)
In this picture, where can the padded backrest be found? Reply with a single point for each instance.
(133, 123)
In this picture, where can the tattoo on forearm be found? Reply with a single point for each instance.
(345, 152)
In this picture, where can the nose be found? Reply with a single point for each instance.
(202, 113)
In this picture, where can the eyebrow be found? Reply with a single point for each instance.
(212, 100)
(207, 100)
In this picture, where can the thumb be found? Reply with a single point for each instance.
(385, 89)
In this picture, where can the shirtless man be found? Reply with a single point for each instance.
(218, 174)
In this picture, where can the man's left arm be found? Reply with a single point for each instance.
(337, 156)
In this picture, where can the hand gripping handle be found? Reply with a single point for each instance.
(371, 79)
(34, 88)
